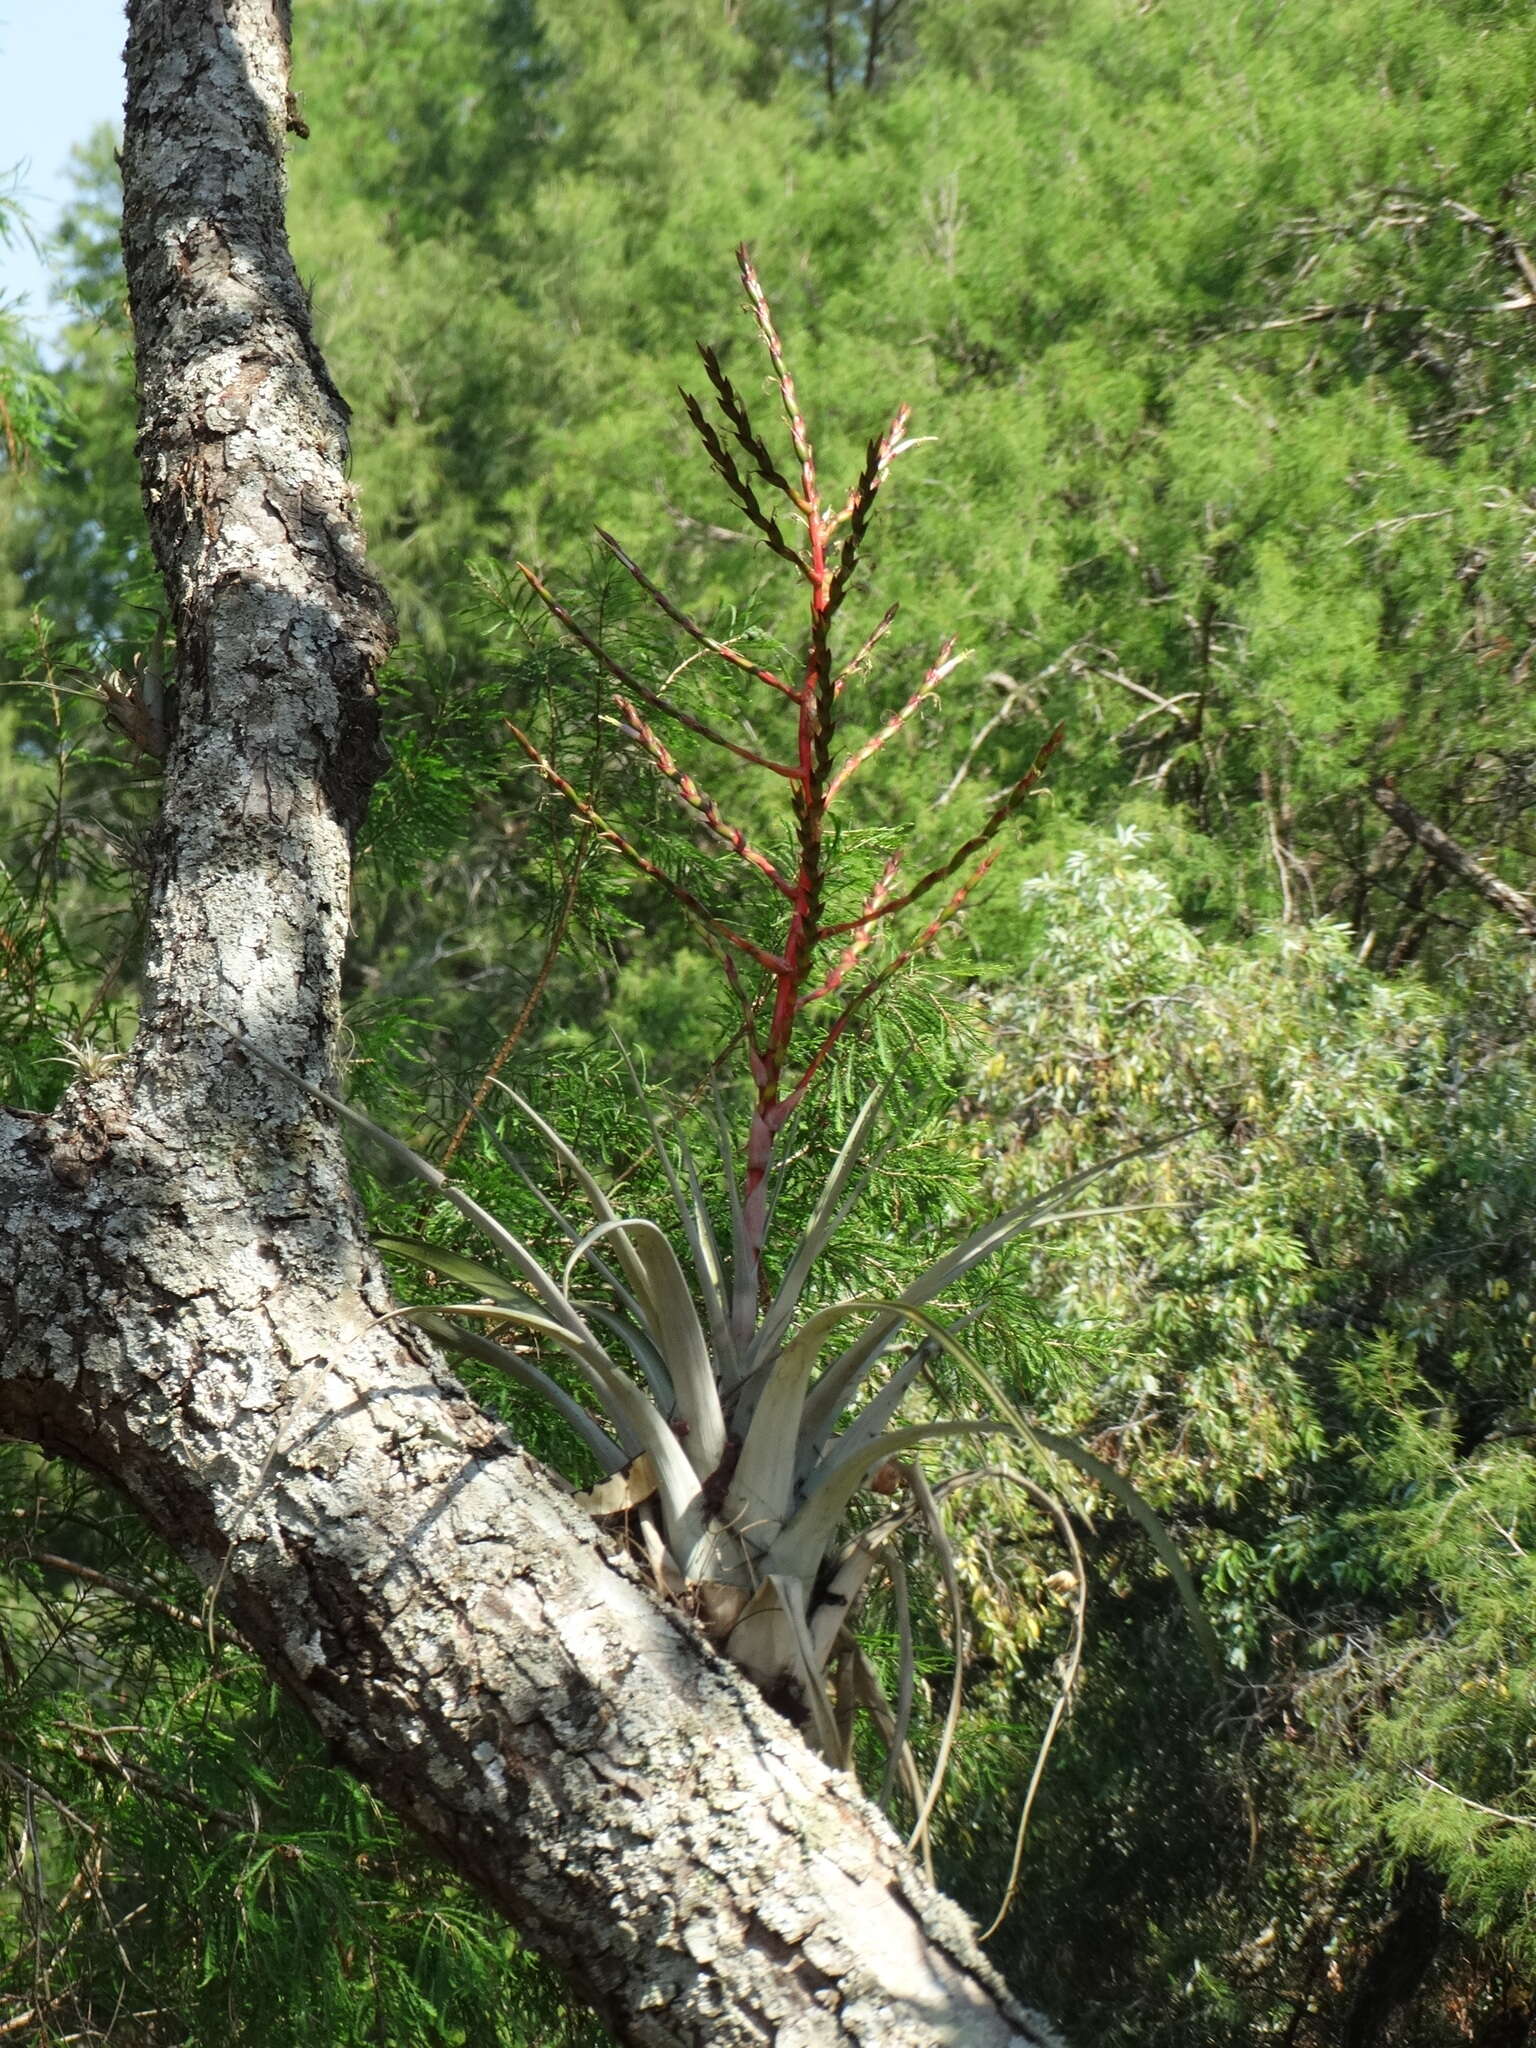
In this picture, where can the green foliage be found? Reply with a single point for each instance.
(28, 401)
(1356, 1175)
(1219, 317)
(1224, 330)
(1320, 1374)
(75, 537)
(72, 868)
(183, 1865)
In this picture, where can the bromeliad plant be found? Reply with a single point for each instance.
(735, 1447)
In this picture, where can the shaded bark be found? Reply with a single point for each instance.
(189, 1305)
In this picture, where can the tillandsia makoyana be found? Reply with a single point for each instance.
(732, 1453)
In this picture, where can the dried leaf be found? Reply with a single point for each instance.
(718, 1606)
(625, 1490)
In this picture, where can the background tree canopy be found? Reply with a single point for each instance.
(1224, 324)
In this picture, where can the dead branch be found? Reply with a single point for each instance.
(1455, 859)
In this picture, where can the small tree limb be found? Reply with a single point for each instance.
(1455, 859)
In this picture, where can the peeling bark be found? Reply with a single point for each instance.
(189, 1305)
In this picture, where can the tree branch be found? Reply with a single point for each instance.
(1455, 859)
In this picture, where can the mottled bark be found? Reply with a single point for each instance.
(189, 1306)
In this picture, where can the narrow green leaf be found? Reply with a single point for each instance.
(817, 1522)
(435, 1258)
(842, 1379)
(761, 1492)
(673, 1325)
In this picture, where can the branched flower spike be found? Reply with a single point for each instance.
(799, 974)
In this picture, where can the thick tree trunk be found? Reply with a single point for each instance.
(188, 1303)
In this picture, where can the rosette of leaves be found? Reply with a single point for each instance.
(735, 1414)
